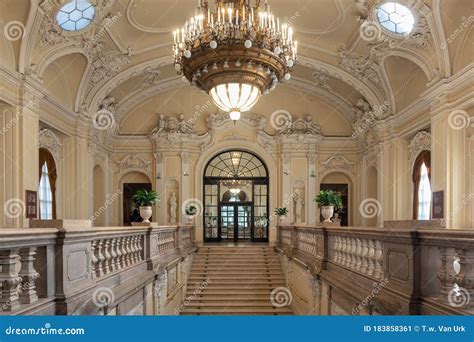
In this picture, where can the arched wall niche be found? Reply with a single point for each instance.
(340, 178)
(137, 180)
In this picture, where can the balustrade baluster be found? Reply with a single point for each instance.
(371, 257)
(101, 257)
(353, 250)
(364, 256)
(94, 259)
(108, 257)
(28, 276)
(378, 272)
(113, 254)
(9, 279)
(358, 253)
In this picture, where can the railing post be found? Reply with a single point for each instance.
(28, 276)
(10, 279)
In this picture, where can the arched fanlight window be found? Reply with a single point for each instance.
(47, 185)
(422, 187)
(235, 164)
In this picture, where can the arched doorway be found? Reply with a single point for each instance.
(236, 197)
(131, 183)
(340, 183)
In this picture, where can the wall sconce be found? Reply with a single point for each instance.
(158, 175)
(286, 173)
(185, 174)
(312, 174)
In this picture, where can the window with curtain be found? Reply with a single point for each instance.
(422, 186)
(424, 195)
(45, 195)
(47, 185)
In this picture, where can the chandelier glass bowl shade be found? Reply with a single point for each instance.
(236, 51)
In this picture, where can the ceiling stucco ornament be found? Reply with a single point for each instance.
(49, 140)
(133, 162)
(337, 162)
(361, 67)
(151, 75)
(173, 131)
(218, 120)
(420, 142)
(321, 78)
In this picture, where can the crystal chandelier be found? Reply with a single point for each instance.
(235, 51)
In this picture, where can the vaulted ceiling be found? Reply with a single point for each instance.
(126, 54)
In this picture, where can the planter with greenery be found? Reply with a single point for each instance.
(281, 213)
(190, 212)
(145, 200)
(328, 200)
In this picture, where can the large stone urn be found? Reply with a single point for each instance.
(145, 213)
(327, 212)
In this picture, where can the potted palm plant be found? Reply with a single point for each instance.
(190, 212)
(328, 200)
(281, 212)
(145, 200)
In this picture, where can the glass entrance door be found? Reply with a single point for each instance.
(236, 222)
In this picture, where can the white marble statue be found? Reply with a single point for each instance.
(173, 204)
(299, 203)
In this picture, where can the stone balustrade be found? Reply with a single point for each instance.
(51, 267)
(419, 268)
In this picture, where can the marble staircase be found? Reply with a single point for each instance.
(234, 281)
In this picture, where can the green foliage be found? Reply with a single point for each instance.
(145, 198)
(281, 211)
(190, 210)
(328, 198)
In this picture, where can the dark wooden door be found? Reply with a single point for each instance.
(129, 190)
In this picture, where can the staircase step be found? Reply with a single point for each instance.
(237, 311)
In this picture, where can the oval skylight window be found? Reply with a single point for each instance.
(75, 15)
(395, 17)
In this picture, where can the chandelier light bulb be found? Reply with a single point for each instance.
(235, 115)
(290, 63)
(277, 50)
(248, 44)
(213, 44)
(287, 76)
(187, 54)
(177, 67)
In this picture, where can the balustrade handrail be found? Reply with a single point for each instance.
(73, 255)
(401, 256)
